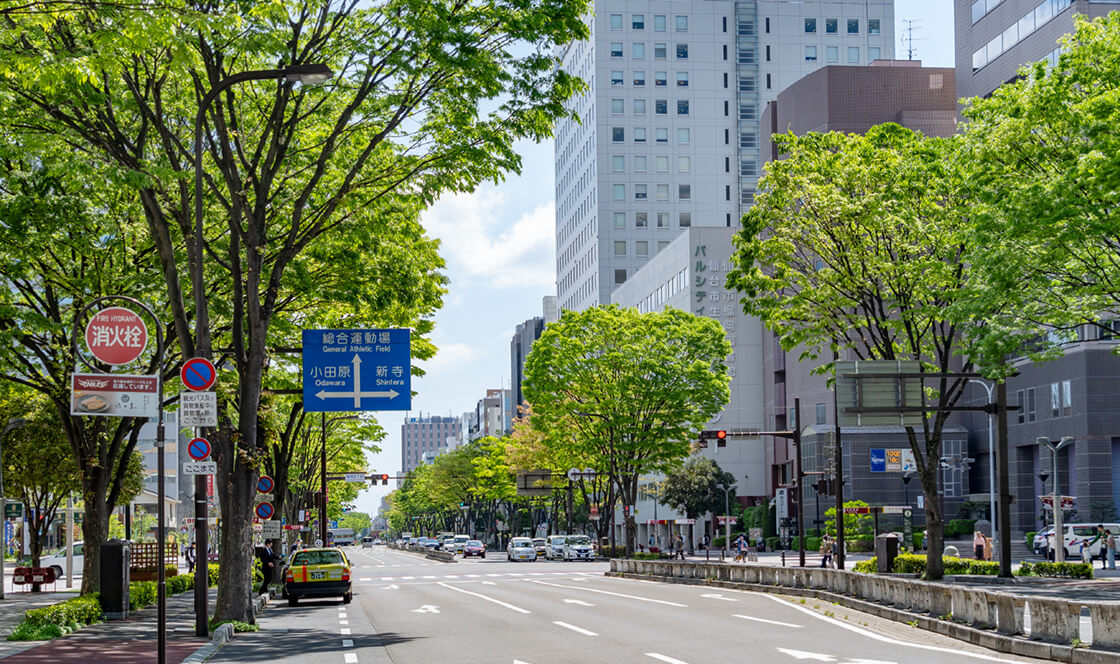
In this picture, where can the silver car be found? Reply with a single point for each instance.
(521, 548)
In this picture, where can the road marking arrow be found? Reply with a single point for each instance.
(801, 654)
(578, 601)
(427, 608)
(718, 596)
(769, 622)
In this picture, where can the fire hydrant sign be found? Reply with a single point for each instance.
(116, 336)
(114, 395)
(198, 409)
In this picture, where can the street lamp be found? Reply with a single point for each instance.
(323, 469)
(727, 516)
(906, 486)
(1059, 536)
(991, 463)
(13, 424)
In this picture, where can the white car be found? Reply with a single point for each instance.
(57, 561)
(554, 549)
(456, 544)
(1041, 541)
(1076, 534)
(521, 548)
(578, 547)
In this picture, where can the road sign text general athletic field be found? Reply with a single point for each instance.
(356, 370)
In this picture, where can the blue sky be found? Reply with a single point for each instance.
(499, 246)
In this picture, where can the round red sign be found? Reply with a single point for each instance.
(116, 335)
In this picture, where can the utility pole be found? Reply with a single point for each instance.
(908, 38)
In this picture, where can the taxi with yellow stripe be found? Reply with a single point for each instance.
(318, 572)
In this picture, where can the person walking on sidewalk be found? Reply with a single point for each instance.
(268, 565)
(1110, 548)
(978, 544)
(678, 543)
(189, 554)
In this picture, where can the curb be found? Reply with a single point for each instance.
(985, 638)
(221, 635)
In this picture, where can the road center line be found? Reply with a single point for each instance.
(488, 599)
(345, 631)
(769, 622)
(581, 630)
(664, 658)
(607, 592)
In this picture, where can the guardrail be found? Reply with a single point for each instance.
(432, 554)
(988, 618)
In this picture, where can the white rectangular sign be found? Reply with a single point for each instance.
(198, 409)
(355, 477)
(200, 468)
(264, 497)
(271, 529)
(114, 395)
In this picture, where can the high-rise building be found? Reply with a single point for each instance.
(426, 434)
(523, 338)
(668, 137)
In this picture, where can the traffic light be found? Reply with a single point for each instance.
(713, 434)
(384, 478)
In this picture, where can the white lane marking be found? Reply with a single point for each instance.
(801, 654)
(345, 631)
(449, 576)
(343, 622)
(473, 576)
(768, 622)
(429, 577)
(488, 599)
(578, 601)
(391, 586)
(488, 583)
(386, 578)
(607, 592)
(574, 628)
(886, 639)
(351, 658)
(427, 608)
(407, 578)
(718, 596)
(493, 575)
(347, 643)
(365, 578)
(664, 658)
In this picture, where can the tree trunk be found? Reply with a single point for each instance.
(935, 566)
(95, 528)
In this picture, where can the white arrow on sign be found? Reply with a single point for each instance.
(801, 654)
(718, 596)
(357, 394)
(578, 601)
(427, 608)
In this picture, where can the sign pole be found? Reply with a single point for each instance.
(201, 557)
(798, 477)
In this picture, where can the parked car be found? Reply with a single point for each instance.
(1041, 542)
(578, 547)
(318, 572)
(367, 542)
(554, 548)
(57, 561)
(474, 548)
(1075, 534)
(521, 548)
(540, 545)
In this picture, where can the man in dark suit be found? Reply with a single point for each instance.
(268, 565)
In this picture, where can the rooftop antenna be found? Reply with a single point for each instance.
(908, 38)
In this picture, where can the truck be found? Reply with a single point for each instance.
(341, 536)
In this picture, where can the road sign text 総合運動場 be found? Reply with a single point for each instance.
(356, 370)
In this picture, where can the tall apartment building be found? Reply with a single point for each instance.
(425, 434)
(669, 132)
(522, 342)
(1076, 394)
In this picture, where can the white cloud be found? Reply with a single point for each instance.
(480, 243)
(450, 354)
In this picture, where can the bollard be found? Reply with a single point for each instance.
(940, 600)
(1106, 624)
(1054, 620)
(962, 607)
(1009, 614)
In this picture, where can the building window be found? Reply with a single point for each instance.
(660, 79)
(618, 134)
(684, 192)
(619, 219)
(616, 21)
(682, 51)
(682, 79)
(640, 192)
(685, 219)
(1067, 398)
(641, 219)
(683, 136)
(853, 26)
(810, 25)
(1022, 412)
(810, 53)
(639, 79)
(616, 77)
(639, 134)
(620, 276)
(853, 55)
(682, 107)
(641, 248)
(639, 107)
(822, 413)
(660, 52)
(662, 220)
(768, 81)
(873, 53)
(661, 135)
(618, 163)
(1030, 405)
(682, 23)
(618, 192)
(684, 164)
(832, 54)
(831, 26)
(616, 49)
(661, 106)
(662, 164)
(638, 50)
(662, 192)
(620, 247)
(661, 245)
(872, 26)
(638, 21)
(659, 22)
(618, 106)
(768, 52)
(1055, 400)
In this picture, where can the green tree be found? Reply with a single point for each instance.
(360, 522)
(858, 244)
(1044, 157)
(696, 488)
(627, 390)
(854, 524)
(429, 98)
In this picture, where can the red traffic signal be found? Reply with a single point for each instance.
(713, 434)
(384, 478)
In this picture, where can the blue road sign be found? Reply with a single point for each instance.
(878, 460)
(265, 484)
(198, 374)
(356, 370)
(198, 449)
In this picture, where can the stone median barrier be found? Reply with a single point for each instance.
(988, 618)
(431, 554)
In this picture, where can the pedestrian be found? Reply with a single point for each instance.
(826, 551)
(1110, 548)
(652, 543)
(1098, 536)
(978, 544)
(741, 548)
(268, 565)
(707, 541)
(834, 546)
(189, 554)
(295, 547)
(678, 542)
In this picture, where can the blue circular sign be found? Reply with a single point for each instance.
(265, 484)
(198, 449)
(198, 374)
(265, 510)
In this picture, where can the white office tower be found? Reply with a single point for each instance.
(668, 130)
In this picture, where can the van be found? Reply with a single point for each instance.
(1076, 533)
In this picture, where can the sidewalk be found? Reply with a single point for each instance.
(131, 641)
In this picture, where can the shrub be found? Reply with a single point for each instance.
(638, 555)
(212, 572)
(141, 594)
(960, 527)
(916, 564)
(859, 543)
(180, 584)
(867, 566)
(1058, 570)
(918, 537)
(909, 564)
(618, 551)
(772, 543)
(84, 610)
(1030, 539)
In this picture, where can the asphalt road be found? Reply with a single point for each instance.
(408, 610)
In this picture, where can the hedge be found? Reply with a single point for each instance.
(960, 527)
(1059, 570)
(916, 564)
(1030, 539)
